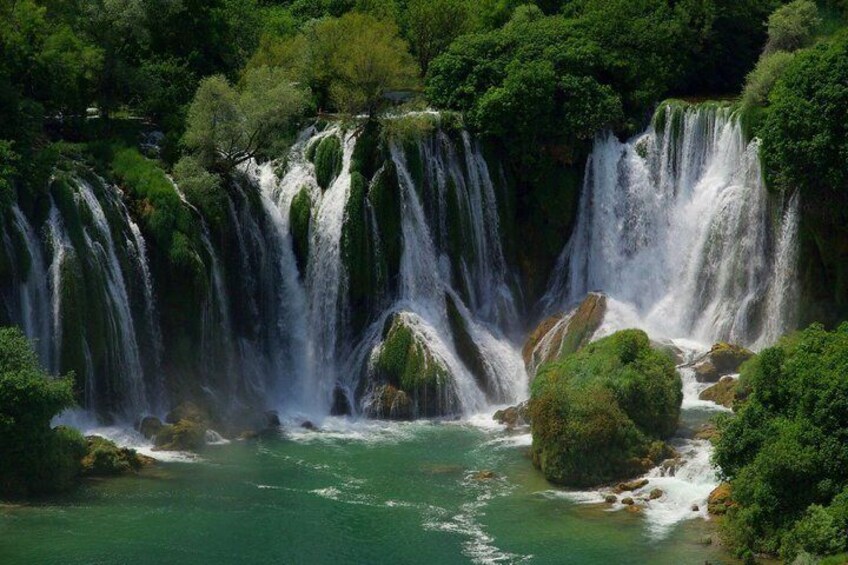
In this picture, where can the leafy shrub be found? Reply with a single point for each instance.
(328, 160)
(34, 458)
(786, 448)
(599, 414)
(760, 81)
(792, 26)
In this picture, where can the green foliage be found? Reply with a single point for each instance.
(404, 361)
(103, 458)
(34, 458)
(300, 218)
(599, 414)
(804, 136)
(357, 254)
(785, 451)
(760, 82)
(792, 26)
(225, 126)
(202, 188)
(328, 160)
(8, 169)
(431, 26)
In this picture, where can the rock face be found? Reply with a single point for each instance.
(723, 359)
(723, 392)
(103, 458)
(150, 426)
(561, 335)
(341, 404)
(601, 414)
(406, 379)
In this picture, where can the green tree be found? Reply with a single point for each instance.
(227, 126)
(792, 26)
(431, 26)
(33, 457)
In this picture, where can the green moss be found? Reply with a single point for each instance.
(185, 435)
(358, 254)
(328, 161)
(366, 154)
(384, 198)
(599, 415)
(405, 362)
(300, 219)
(104, 458)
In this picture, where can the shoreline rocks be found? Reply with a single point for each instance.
(721, 360)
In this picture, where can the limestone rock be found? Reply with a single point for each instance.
(513, 417)
(564, 334)
(719, 500)
(655, 494)
(632, 485)
(723, 392)
(722, 359)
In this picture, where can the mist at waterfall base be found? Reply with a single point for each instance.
(675, 226)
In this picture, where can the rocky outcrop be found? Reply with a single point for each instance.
(468, 352)
(722, 359)
(149, 426)
(564, 334)
(405, 377)
(185, 435)
(513, 416)
(719, 500)
(103, 458)
(724, 392)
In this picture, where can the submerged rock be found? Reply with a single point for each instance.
(389, 403)
(561, 335)
(484, 475)
(631, 485)
(104, 458)
(723, 392)
(722, 359)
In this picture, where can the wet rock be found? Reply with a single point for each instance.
(634, 509)
(341, 404)
(272, 419)
(389, 403)
(627, 501)
(631, 485)
(308, 425)
(610, 499)
(669, 467)
(188, 411)
(655, 494)
(150, 426)
(484, 475)
(561, 335)
(723, 392)
(708, 432)
(719, 500)
(469, 353)
(104, 458)
(722, 359)
(696, 508)
(513, 417)
(185, 435)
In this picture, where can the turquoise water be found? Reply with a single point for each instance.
(363, 493)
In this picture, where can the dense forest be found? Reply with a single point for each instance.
(148, 93)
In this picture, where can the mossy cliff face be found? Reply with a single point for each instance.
(601, 414)
(405, 362)
(300, 221)
(327, 159)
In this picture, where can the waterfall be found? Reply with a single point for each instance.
(677, 224)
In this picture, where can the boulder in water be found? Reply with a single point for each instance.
(719, 500)
(722, 359)
(564, 334)
(723, 392)
(185, 435)
(104, 458)
(631, 485)
(485, 475)
(513, 417)
(405, 363)
(655, 494)
(601, 414)
(149, 426)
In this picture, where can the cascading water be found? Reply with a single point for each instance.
(677, 224)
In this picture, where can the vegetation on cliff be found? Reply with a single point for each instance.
(601, 414)
(785, 451)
